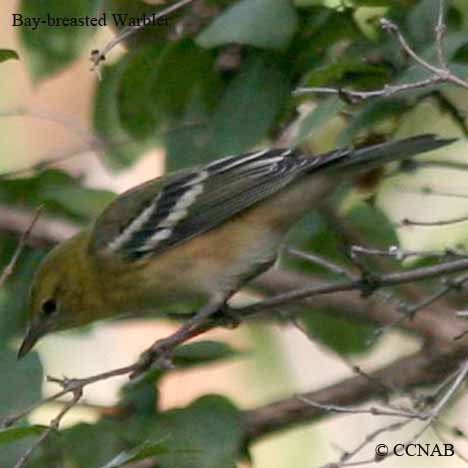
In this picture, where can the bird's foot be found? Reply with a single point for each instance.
(159, 355)
(232, 319)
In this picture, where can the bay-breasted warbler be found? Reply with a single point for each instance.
(196, 235)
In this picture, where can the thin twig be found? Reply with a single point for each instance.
(53, 426)
(425, 191)
(354, 95)
(373, 410)
(376, 282)
(8, 270)
(440, 73)
(47, 230)
(445, 222)
(401, 254)
(445, 441)
(367, 440)
(98, 56)
(440, 33)
(436, 410)
(51, 160)
(318, 260)
(66, 121)
(379, 281)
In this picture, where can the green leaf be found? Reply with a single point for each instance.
(203, 352)
(13, 434)
(318, 117)
(133, 92)
(268, 24)
(373, 225)
(325, 323)
(184, 91)
(151, 35)
(184, 69)
(172, 90)
(452, 43)
(145, 450)
(103, 440)
(8, 54)
(343, 336)
(371, 115)
(58, 192)
(205, 434)
(51, 47)
(326, 27)
(421, 22)
(158, 84)
(375, 3)
(15, 292)
(15, 441)
(232, 127)
(336, 71)
(141, 394)
(250, 105)
(123, 150)
(24, 380)
(188, 143)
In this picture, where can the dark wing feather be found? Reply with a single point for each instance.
(159, 214)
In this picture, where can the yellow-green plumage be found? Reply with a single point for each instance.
(197, 235)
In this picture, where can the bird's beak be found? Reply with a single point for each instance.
(32, 335)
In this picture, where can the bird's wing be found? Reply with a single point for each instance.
(161, 213)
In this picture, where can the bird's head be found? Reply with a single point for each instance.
(58, 295)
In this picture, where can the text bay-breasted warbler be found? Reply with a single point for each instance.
(196, 235)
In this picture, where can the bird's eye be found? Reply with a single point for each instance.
(49, 307)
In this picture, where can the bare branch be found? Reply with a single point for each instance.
(66, 121)
(355, 96)
(443, 222)
(373, 410)
(435, 411)
(402, 254)
(8, 270)
(440, 73)
(47, 231)
(440, 33)
(435, 323)
(71, 385)
(318, 260)
(431, 191)
(418, 369)
(377, 281)
(53, 426)
(98, 56)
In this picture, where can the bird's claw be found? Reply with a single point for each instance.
(232, 318)
(154, 357)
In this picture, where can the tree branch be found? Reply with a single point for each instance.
(8, 270)
(98, 56)
(440, 73)
(419, 369)
(47, 231)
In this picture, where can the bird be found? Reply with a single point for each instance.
(195, 236)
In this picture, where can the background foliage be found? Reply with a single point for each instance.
(222, 84)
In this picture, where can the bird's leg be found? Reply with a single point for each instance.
(160, 351)
(232, 318)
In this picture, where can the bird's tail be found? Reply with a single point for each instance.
(355, 160)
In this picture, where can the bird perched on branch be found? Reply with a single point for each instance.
(197, 235)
